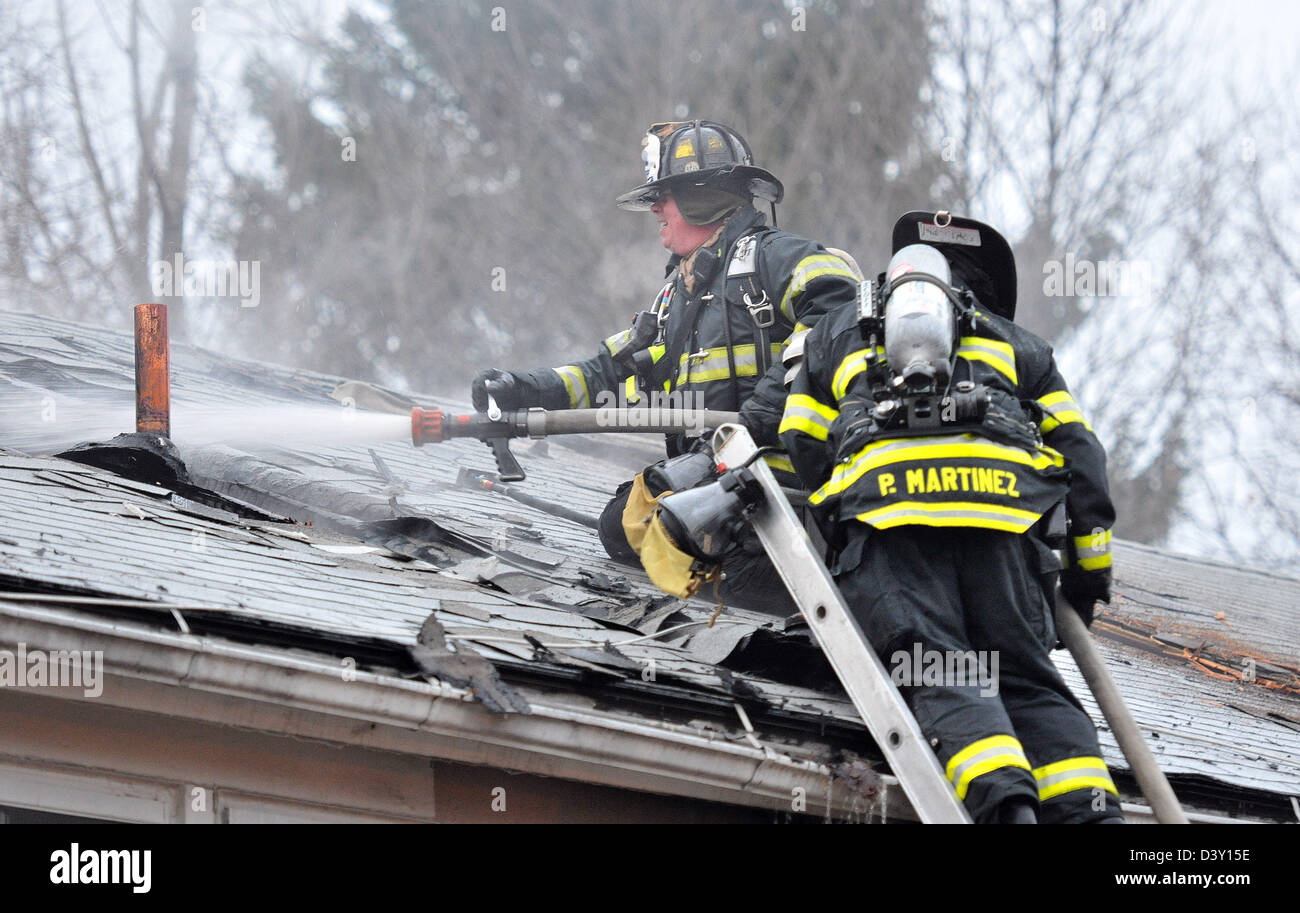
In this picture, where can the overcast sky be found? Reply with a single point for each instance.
(1260, 39)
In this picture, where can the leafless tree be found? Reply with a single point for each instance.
(93, 197)
(490, 149)
(1070, 127)
(1251, 427)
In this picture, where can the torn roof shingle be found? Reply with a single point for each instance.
(395, 537)
(78, 529)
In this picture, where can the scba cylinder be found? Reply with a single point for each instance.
(920, 324)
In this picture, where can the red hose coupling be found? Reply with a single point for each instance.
(427, 426)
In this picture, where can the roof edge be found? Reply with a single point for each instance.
(161, 672)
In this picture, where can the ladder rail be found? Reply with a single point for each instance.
(837, 633)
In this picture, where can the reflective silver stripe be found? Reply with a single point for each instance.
(809, 268)
(1060, 408)
(779, 460)
(1003, 359)
(1094, 546)
(850, 367)
(618, 341)
(992, 758)
(1093, 551)
(805, 419)
(991, 516)
(1071, 775)
(1047, 781)
(576, 384)
(714, 365)
(906, 443)
(794, 346)
(809, 414)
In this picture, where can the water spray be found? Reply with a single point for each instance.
(100, 414)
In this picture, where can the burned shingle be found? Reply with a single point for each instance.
(463, 668)
(67, 528)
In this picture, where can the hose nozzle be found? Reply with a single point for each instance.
(427, 426)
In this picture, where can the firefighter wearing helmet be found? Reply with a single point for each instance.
(946, 454)
(739, 293)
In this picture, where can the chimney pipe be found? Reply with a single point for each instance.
(152, 370)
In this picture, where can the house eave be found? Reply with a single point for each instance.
(294, 693)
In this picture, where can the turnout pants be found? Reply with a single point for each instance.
(749, 579)
(934, 602)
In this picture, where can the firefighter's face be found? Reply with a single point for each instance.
(678, 235)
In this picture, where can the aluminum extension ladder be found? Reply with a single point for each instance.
(859, 670)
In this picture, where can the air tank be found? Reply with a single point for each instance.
(920, 322)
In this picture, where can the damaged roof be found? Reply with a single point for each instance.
(398, 558)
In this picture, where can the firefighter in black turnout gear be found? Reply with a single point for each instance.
(738, 293)
(941, 442)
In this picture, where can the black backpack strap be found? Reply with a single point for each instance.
(742, 268)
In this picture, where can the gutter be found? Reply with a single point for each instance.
(159, 671)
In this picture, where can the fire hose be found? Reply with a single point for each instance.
(432, 426)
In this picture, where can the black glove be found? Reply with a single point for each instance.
(852, 428)
(645, 327)
(1084, 589)
(502, 386)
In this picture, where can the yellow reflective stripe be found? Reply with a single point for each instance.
(1055, 399)
(1071, 774)
(1060, 408)
(800, 327)
(995, 346)
(1093, 550)
(576, 384)
(656, 353)
(1096, 542)
(819, 409)
(796, 422)
(803, 413)
(808, 269)
(1052, 420)
(779, 462)
(631, 392)
(853, 364)
(984, 756)
(950, 513)
(714, 365)
(618, 341)
(990, 351)
(946, 447)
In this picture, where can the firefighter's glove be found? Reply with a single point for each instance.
(1084, 589)
(852, 428)
(640, 336)
(502, 386)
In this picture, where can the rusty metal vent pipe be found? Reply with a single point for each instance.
(152, 370)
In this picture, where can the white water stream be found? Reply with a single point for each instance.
(39, 423)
